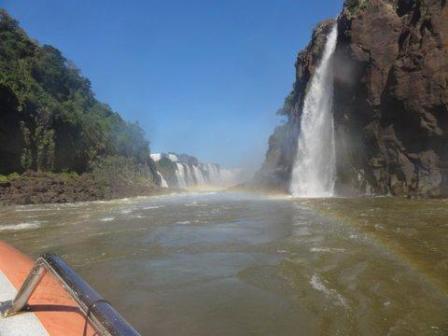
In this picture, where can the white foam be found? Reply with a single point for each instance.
(183, 222)
(33, 209)
(152, 207)
(327, 249)
(379, 227)
(19, 227)
(318, 285)
(107, 219)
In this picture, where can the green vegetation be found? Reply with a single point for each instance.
(168, 169)
(50, 120)
(354, 6)
(8, 178)
(117, 172)
(166, 165)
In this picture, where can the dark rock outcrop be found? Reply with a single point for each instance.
(40, 187)
(391, 99)
(391, 110)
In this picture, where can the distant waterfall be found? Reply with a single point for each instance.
(183, 171)
(199, 176)
(213, 173)
(181, 175)
(314, 170)
(189, 176)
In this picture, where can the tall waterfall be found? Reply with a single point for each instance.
(314, 170)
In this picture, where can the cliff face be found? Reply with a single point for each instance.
(390, 103)
(391, 107)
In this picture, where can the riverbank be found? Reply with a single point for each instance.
(43, 187)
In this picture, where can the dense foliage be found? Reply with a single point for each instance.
(354, 5)
(49, 117)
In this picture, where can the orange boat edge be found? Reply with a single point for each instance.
(51, 309)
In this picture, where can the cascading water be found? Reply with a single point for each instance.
(180, 175)
(314, 169)
(190, 173)
(199, 176)
(213, 173)
(189, 178)
(163, 182)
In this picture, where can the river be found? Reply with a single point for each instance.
(244, 264)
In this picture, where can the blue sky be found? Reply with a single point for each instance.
(201, 77)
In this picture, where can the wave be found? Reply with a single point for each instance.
(194, 204)
(194, 221)
(152, 207)
(183, 222)
(20, 227)
(327, 249)
(33, 209)
(318, 285)
(282, 251)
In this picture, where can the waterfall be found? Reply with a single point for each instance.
(163, 182)
(180, 175)
(184, 171)
(199, 176)
(190, 175)
(213, 173)
(314, 169)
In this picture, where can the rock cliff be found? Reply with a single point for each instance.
(390, 100)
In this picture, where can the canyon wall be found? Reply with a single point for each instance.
(390, 100)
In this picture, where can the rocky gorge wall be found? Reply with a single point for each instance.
(390, 100)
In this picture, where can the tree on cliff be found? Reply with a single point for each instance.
(49, 117)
